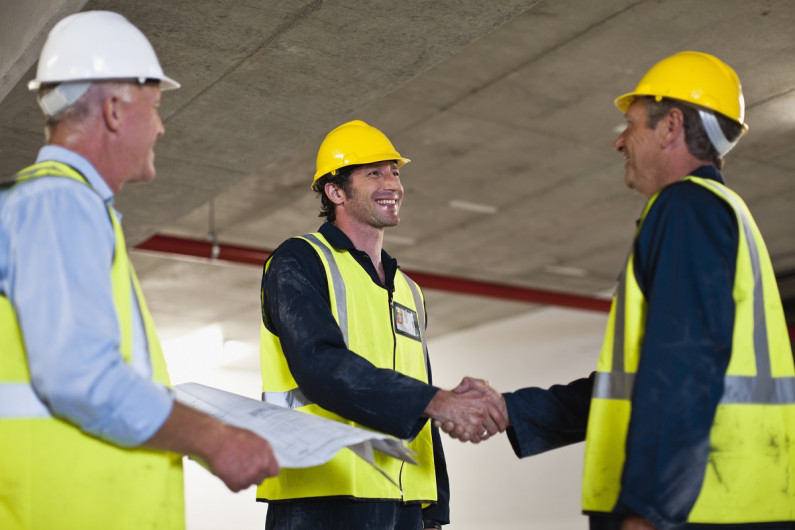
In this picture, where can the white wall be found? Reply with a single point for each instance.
(490, 487)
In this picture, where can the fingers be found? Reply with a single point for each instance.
(472, 412)
(498, 419)
(243, 459)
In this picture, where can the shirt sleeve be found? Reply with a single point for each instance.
(296, 308)
(544, 419)
(685, 259)
(61, 290)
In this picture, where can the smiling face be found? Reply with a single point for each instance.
(374, 196)
(641, 147)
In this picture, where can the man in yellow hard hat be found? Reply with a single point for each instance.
(691, 413)
(90, 433)
(343, 337)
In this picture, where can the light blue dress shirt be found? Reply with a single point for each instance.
(56, 252)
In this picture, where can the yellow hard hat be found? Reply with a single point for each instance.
(351, 144)
(694, 77)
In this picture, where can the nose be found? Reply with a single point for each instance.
(161, 129)
(619, 143)
(392, 181)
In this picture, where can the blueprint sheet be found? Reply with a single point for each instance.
(298, 439)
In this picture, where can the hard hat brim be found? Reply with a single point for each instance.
(166, 83)
(623, 103)
(400, 163)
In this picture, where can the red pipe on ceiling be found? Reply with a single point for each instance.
(207, 250)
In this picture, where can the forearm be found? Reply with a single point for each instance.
(380, 399)
(237, 456)
(188, 431)
(542, 420)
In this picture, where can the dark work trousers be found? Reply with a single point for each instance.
(613, 522)
(343, 515)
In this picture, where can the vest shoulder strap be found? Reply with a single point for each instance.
(48, 168)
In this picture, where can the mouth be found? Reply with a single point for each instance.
(386, 202)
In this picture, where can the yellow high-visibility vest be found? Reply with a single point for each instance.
(752, 439)
(52, 475)
(364, 314)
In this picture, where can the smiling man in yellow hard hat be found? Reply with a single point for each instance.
(343, 337)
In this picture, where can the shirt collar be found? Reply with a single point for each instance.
(340, 241)
(70, 158)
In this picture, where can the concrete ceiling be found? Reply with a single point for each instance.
(505, 104)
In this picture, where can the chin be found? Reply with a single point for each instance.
(149, 176)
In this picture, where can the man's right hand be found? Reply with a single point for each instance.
(242, 459)
(472, 412)
(237, 456)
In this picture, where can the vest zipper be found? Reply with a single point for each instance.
(394, 337)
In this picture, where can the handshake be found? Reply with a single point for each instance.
(471, 412)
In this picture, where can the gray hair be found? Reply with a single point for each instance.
(698, 141)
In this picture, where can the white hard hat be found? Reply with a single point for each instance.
(97, 45)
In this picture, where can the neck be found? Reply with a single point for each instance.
(86, 139)
(678, 167)
(367, 239)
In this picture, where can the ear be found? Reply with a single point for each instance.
(112, 112)
(334, 193)
(671, 127)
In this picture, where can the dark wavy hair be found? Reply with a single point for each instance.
(342, 180)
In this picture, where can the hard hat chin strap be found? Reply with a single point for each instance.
(715, 133)
(62, 96)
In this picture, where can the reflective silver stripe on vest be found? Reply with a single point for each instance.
(420, 307)
(613, 385)
(761, 389)
(616, 384)
(292, 399)
(339, 285)
(18, 400)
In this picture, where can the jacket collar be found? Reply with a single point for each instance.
(708, 172)
(340, 241)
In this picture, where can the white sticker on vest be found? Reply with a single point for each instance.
(406, 321)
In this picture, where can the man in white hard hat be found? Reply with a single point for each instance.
(90, 433)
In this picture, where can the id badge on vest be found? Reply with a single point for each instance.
(406, 322)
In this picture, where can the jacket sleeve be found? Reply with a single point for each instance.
(544, 419)
(296, 308)
(685, 259)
